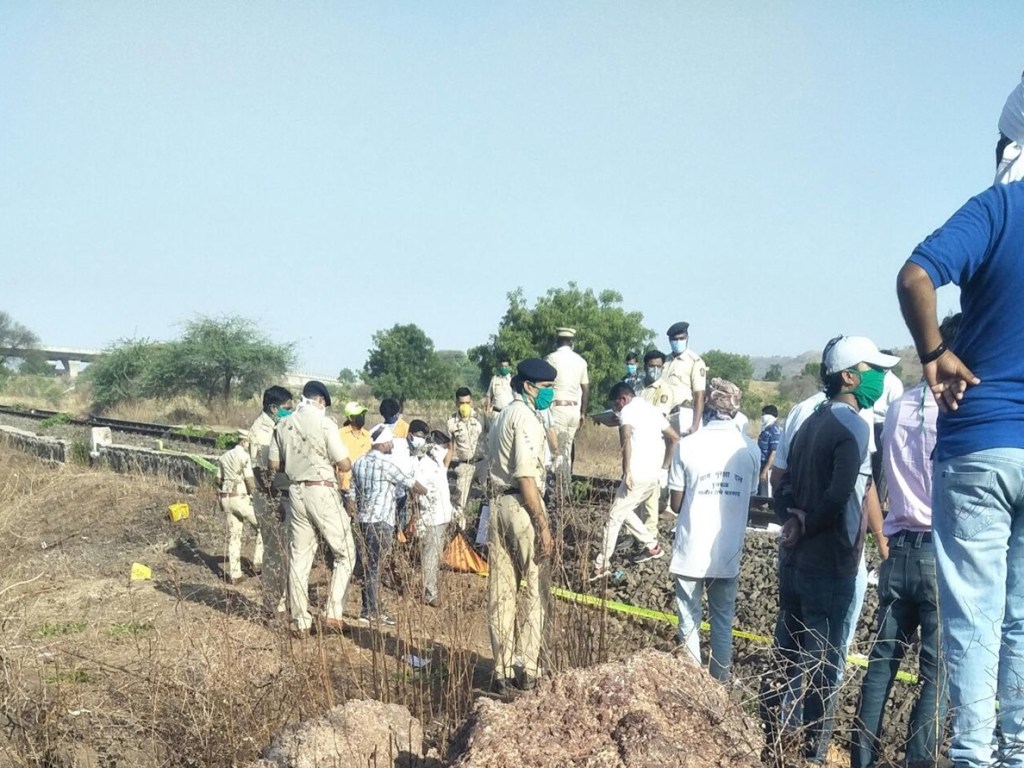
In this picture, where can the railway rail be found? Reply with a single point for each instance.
(179, 433)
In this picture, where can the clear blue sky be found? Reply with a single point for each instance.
(329, 169)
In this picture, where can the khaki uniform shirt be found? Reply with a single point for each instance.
(659, 394)
(500, 392)
(572, 374)
(465, 434)
(516, 447)
(235, 467)
(685, 375)
(307, 445)
(261, 435)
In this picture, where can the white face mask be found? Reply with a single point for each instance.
(767, 420)
(438, 452)
(417, 442)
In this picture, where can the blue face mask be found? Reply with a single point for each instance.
(544, 398)
(631, 368)
(678, 346)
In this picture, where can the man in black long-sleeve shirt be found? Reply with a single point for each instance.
(819, 505)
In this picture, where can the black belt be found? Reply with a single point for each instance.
(510, 491)
(912, 538)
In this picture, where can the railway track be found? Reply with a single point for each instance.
(181, 434)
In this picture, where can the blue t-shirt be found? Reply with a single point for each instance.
(768, 441)
(981, 249)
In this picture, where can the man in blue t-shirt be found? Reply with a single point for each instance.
(768, 442)
(978, 488)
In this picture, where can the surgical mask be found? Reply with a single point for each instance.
(870, 388)
(678, 345)
(504, 370)
(282, 412)
(465, 410)
(652, 373)
(417, 442)
(542, 401)
(631, 368)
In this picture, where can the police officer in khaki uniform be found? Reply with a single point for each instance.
(270, 504)
(236, 488)
(499, 390)
(686, 374)
(519, 533)
(308, 448)
(470, 463)
(656, 390)
(572, 393)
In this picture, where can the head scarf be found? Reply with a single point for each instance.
(724, 398)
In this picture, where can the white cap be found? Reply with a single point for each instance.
(848, 351)
(382, 434)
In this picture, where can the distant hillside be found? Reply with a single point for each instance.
(910, 370)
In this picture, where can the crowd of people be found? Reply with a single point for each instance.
(935, 474)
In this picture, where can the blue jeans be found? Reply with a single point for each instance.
(721, 610)
(978, 523)
(377, 539)
(907, 599)
(811, 630)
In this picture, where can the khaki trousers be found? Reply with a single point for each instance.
(274, 579)
(465, 475)
(513, 558)
(566, 421)
(623, 513)
(237, 512)
(317, 508)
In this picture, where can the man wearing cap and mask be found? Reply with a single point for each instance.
(686, 375)
(572, 393)
(307, 446)
(820, 506)
(499, 390)
(237, 485)
(713, 475)
(356, 439)
(519, 533)
(470, 464)
(978, 482)
(269, 503)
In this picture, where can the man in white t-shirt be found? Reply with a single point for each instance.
(714, 473)
(434, 510)
(572, 391)
(648, 441)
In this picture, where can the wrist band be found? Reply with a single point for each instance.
(935, 354)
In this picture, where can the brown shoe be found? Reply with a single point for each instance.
(232, 580)
(299, 634)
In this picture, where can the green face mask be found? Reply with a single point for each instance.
(543, 399)
(504, 370)
(872, 383)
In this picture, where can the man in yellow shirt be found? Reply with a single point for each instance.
(356, 439)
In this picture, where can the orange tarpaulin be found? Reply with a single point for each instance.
(459, 555)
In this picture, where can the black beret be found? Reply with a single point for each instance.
(676, 328)
(535, 369)
(316, 388)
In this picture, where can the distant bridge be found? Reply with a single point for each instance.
(68, 355)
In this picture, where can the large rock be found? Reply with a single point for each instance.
(653, 709)
(358, 733)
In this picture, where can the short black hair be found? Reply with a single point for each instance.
(389, 407)
(619, 389)
(631, 356)
(949, 329)
(418, 426)
(275, 397)
(462, 392)
(440, 438)
(833, 383)
(503, 358)
(653, 354)
(770, 410)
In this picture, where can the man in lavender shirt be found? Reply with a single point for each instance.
(907, 588)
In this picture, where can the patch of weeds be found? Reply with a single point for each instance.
(128, 628)
(71, 677)
(58, 628)
(226, 440)
(57, 418)
(189, 431)
(79, 452)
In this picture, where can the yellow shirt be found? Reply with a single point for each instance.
(358, 442)
(400, 428)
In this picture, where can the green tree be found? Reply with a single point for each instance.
(348, 377)
(403, 364)
(774, 372)
(725, 365)
(463, 369)
(605, 332)
(812, 369)
(216, 357)
(122, 372)
(15, 339)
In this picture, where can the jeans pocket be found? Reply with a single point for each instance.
(966, 500)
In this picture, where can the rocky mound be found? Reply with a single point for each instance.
(653, 709)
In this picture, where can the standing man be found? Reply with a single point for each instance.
(237, 486)
(978, 494)
(391, 412)
(647, 443)
(307, 446)
(686, 374)
(633, 376)
(768, 443)
(711, 480)
(820, 504)
(270, 503)
(907, 590)
(434, 511)
(356, 439)
(519, 533)
(499, 390)
(375, 480)
(465, 430)
(656, 389)
(572, 392)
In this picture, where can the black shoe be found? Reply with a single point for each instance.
(528, 682)
(502, 686)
